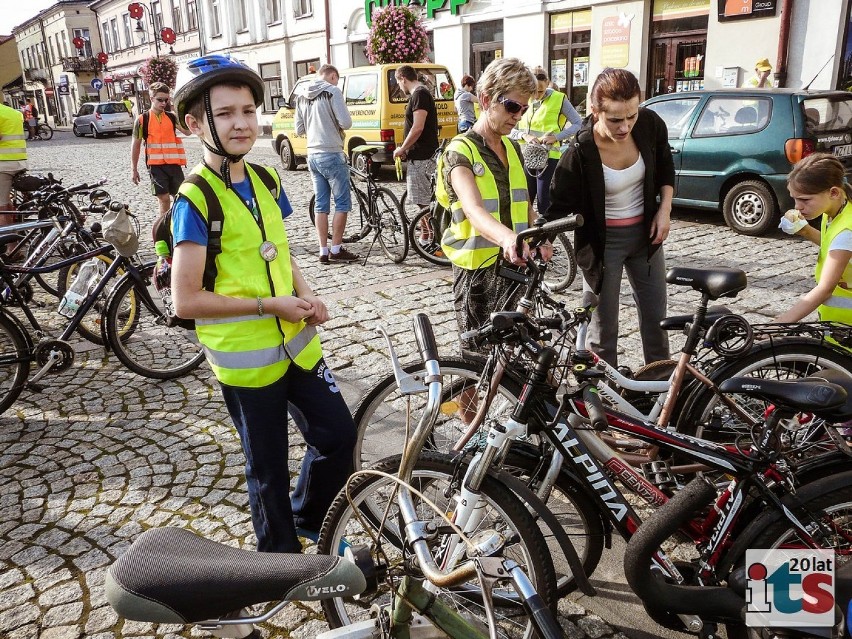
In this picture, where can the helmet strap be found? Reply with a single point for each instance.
(218, 148)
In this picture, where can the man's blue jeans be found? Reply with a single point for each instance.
(260, 416)
(330, 174)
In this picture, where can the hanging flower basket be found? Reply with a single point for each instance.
(159, 70)
(397, 36)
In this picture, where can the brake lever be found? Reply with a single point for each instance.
(407, 383)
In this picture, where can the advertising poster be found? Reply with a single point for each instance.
(557, 72)
(615, 45)
(581, 72)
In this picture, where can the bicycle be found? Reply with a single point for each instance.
(151, 581)
(133, 324)
(43, 131)
(379, 212)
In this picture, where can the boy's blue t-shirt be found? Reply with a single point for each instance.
(189, 226)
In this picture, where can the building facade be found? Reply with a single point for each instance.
(57, 74)
(165, 28)
(282, 39)
(11, 73)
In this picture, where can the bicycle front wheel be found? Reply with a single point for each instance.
(372, 496)
(384, 415)
(425, 238)
(139, 334)
(392, 228)
(562, 268)
(14, 361)
(44, 132)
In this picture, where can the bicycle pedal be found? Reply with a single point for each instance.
(35, 387)
(659, 473)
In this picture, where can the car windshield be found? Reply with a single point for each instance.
(827, 114)
(111, 108)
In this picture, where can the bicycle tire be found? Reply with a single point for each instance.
(392, 228)
(704, 416)
(380, 416)
(352, 237)
(44, 132)
(15, 357)
(139, 336)
(429, 249)
(562, 268)
(432, 474)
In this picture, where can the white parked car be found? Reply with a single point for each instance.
(102, 118)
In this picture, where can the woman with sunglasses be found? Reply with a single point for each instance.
(550, 121)
(613, 172)
(481, 181)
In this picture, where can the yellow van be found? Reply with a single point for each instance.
(377, 105)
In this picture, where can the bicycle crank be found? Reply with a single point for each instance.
(54, 356)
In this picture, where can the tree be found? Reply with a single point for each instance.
(159, 70)
(397, 35)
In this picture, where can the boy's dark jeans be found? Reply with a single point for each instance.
(260, 416)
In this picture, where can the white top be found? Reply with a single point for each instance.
(624, 197)
(843, 242)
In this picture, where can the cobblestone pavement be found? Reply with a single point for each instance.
(102, 454)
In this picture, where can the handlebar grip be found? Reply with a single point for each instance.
(594, 407)
(425, 337)
(543, 620)
(550, 229)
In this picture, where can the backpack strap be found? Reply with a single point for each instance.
(145, 117)
(269, 181)
(215, 221)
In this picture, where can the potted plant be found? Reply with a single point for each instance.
(397, 35)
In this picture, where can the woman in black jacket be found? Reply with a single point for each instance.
(612, 173)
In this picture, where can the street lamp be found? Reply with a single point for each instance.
(167, 35)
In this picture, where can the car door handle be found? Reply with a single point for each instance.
(674, 150)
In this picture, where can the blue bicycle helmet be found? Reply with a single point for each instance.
(197, 77)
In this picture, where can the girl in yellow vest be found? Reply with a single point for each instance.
(257, 321)
(482, 182)
(819, 187)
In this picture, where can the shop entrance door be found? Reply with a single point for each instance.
(677, 64)
(482, 55)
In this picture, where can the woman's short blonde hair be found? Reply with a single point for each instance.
(506, 75)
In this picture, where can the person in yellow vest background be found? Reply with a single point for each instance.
(481, 180)
(550, 121)
(164, 154)
(257, 322)
(761, 79)
(819, 187)
(13, 157)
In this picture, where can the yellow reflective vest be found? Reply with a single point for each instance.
(462, 243)
(13, 145)
(251, 351)
(837, 308)
(545, 118)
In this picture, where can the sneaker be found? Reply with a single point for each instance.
(343, 257)
(314, 537)
(323, 259)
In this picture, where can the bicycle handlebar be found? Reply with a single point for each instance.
(537, 234)
(594, 407)
(425, 337)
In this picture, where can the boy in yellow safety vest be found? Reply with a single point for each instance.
(257, 321)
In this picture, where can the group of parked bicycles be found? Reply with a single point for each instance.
(120, 308)
(517, 468)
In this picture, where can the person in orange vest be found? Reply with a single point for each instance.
(164, 154)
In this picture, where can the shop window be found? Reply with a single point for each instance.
(570, 36)
(678, 45)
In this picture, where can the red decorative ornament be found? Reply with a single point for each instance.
(79, 43)
(102, 57)
(136, 10)
(168, 35)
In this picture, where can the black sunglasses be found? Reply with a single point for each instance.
(513, 107)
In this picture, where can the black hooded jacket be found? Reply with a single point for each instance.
(578, 187)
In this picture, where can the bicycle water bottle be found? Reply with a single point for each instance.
(163, 275)
(76, 293)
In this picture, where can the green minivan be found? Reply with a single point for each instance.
(733, 148)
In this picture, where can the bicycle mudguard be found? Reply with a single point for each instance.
(540, 509)
(171, 575)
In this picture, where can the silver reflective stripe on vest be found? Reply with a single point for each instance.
(210, 321)
(15, 137)
(835, 301)
(519, 195)
(300, 342)
(523, 226)
(471, 244)
(8, 150)
(246, 359)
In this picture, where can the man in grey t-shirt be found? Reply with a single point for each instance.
(322, 115)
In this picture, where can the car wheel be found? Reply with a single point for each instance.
(749, 208)
(77, 131)
(95, 133)
(288, 160)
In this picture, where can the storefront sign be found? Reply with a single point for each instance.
(432, 6)
(571, 21)
(740, 9)
(63, 89)
(676, 9)
(615, 44)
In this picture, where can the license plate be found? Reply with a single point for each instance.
(843, 151)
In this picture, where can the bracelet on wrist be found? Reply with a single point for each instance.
(259, 306)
